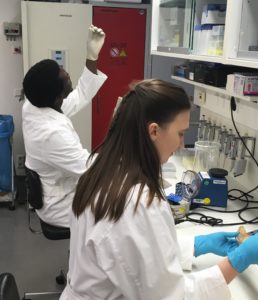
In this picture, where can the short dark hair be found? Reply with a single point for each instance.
(128, 156)
(42, 84)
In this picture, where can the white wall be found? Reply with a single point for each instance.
(216, 108)
(162, 67)
(11, 72)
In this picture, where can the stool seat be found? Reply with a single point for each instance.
(8, 287)
(51, 232)
(54, 232)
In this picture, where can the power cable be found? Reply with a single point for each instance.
(244, 196)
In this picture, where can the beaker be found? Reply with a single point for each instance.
(206, 156)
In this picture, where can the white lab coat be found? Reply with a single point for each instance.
(136, 258)
(53, 148)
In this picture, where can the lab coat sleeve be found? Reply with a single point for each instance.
(65, 153)
(141, 257)
(208, 284)
(87, 87)
(186, 245)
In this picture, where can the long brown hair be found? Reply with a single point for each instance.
(128, 156)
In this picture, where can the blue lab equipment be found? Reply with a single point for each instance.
(204, 188)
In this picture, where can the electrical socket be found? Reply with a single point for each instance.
(17, 93)
(201, 97)
(16, 49)
(20, 161)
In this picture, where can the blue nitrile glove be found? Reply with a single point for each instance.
(219, 243)
(245, 254)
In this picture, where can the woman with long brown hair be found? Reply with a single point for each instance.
(123, 239)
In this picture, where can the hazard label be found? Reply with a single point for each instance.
(114, 52)
(122, 53)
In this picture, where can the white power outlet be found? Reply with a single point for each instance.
(201, 97)
(20, 161)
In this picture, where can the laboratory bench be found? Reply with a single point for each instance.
(245, 286)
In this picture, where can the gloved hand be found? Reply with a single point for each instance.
(219, 243)
(245, 255)
(96, 37)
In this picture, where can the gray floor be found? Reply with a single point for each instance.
(33, 260)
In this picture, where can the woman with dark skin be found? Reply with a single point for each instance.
(53, 148)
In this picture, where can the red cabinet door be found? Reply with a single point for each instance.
(121, 58)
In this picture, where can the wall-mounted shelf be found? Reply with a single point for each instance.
(215, 59)
(221, 91)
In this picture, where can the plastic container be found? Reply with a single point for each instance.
(206, 156)
(214, 14)
(216, 39)
(6, 131)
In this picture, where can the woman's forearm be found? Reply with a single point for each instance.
(227, 270)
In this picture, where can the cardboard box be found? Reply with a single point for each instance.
(246, 84)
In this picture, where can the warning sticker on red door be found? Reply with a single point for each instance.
(114, 52)
(118, 53)
(122, 53)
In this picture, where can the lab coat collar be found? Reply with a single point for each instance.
(34, 110)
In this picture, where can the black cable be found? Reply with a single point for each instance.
(233, 198)
(212, 221)
(203, 219)
(208, 220)
(252, 221)
(233, 104)
(233, 108)
(244, 196)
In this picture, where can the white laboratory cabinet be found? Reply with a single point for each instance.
(241, 36)
(174, 35)
(59, 31)
(230, 28)
(174, 25)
